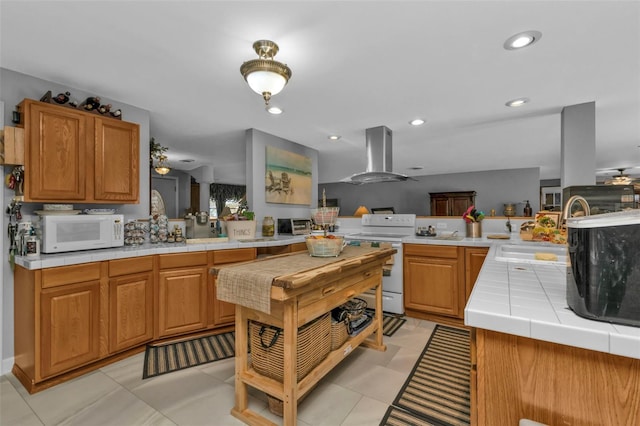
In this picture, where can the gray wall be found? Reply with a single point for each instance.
(14, 87)
(494, 188)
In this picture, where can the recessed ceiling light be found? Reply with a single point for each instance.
(417, 122)
(334, 137)
(272, 109)
(517, 102)
(187, 160)
(523, 39)
(415, 168)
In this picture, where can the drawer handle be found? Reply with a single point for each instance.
(326, 291)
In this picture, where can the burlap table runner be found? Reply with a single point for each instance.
(249, 284)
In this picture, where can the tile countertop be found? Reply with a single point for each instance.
(510, 297)
(74, 258)
(529, 300)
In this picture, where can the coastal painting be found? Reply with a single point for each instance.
(288, 177)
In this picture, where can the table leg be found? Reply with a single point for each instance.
(242, 349)
(378, 317)
(290, 382)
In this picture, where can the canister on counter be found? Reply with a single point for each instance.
(268, 226)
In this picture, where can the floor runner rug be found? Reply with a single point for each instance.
(390, 322)
(398, 417)
(438, 389)
(165, 358)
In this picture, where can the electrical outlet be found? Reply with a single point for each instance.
(441, 225)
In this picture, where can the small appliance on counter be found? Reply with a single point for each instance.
(294, 226)
(603, 278)
(198, 226)
(75, 232)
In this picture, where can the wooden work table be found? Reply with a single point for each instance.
(305, 289)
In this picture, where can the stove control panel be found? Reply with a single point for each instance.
(399, 220)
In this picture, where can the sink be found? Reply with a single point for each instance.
(449, 237)
(538, 253)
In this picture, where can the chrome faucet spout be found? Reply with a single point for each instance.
(566, 213)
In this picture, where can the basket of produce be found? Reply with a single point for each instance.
(321, 246)
(325, 215)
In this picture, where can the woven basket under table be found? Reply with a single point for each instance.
(339, 334)
(314, 344)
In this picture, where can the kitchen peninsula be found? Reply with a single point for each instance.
(534, 358)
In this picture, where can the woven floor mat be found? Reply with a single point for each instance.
(162, 359)
(438, 389)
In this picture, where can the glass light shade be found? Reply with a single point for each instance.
(266, 81)
(162, 170)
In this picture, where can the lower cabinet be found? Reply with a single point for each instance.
(182, 293)
(58, 317)
(70, 327)
(473, 260)
(224, 313)
(130, 302)
(433, 279)
(438, 280)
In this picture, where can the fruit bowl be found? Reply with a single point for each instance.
(321, 246)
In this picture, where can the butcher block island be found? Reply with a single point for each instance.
(287, 292)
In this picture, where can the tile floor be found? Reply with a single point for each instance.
(357, 392)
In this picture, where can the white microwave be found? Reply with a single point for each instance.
(61, 233)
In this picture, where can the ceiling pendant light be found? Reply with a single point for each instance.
(265, 76)
(162, 168)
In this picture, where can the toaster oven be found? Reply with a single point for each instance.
(294, 226)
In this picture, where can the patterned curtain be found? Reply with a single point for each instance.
(220, 193)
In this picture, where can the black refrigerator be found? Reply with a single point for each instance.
(601, 198)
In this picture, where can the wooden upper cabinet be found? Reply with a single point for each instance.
(117, 154)
(451, 203)
(72, 155)
(55, 153)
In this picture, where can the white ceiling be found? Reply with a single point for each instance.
(355, 65)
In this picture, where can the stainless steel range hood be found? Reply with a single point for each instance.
(379, 159)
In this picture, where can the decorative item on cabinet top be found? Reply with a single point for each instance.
(91, 104)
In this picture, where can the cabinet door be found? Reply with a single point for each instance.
(440, 207)
(117, 155)
(474, 258)
(432, 285)
(56, 153)
(224, 313)
(70, 321)
(182, 300)
(130, 311)
(459, 205)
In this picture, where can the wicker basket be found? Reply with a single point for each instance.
(325, 215)
(325, 247)
(339, 334)
(314, 344)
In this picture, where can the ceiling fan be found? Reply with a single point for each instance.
(622, 179)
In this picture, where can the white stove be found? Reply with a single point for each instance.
(387, 228)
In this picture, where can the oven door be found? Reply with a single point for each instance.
(392, 283)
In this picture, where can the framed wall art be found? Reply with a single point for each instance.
(288, 177)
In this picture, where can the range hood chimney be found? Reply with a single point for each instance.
(379, 159)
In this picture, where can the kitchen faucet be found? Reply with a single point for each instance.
(566, 213)
(508, 225)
